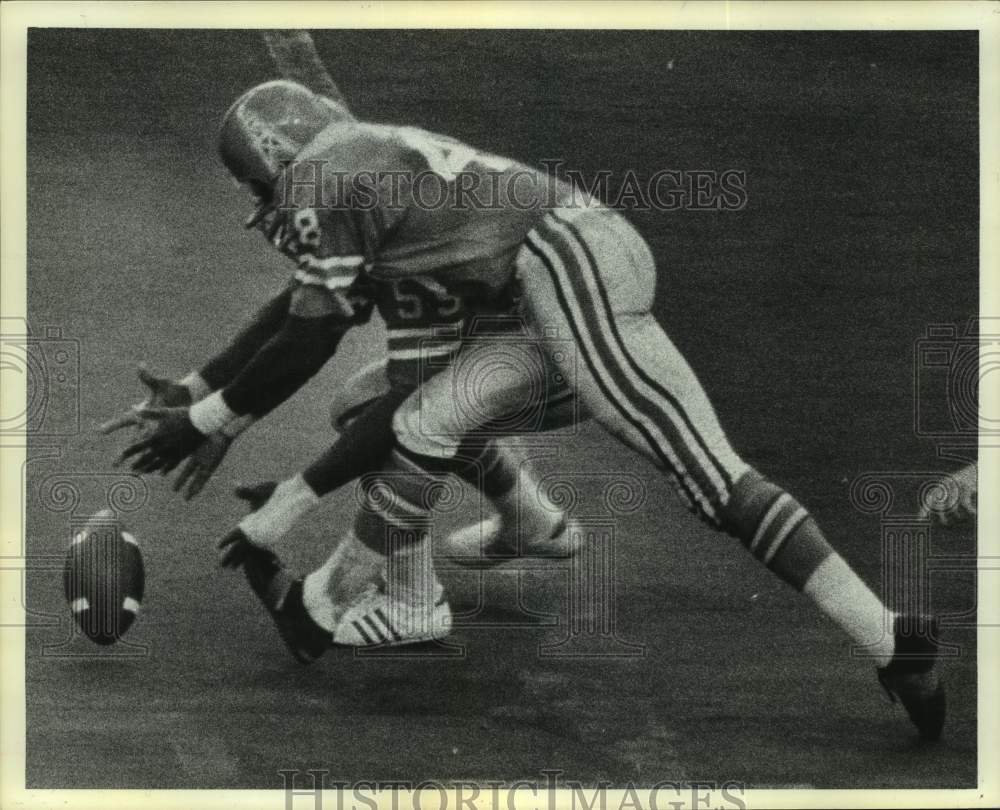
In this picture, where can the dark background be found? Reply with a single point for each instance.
(800, 313)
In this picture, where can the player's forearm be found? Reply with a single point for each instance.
(227, 364)
(280, 368)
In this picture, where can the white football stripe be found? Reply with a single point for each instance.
(685, 434)
(331, 283)
(768, 518)
(79, 605)
(128, 538)
(587, 345)
(427, 331)
(792, 523)
(423, 351)
(130, 604)
(331, 262)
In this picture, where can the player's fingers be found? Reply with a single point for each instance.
(138, 447)
(127, 419)
(256, 495)
(237, 554)
(169, 463)
(158, 385)
(200, 478)
(233, 549)
(198, 481)
(148, 462)
(233, 557)
(186, 473)
(153, 412)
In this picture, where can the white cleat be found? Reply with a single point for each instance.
(376, 619)
(486, 543)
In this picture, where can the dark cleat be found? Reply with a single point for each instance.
(911, 676)
(282, 596)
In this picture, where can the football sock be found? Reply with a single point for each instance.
(780, 533)
(396, 505)
(410, 577)
(291, 500)
(395, 521)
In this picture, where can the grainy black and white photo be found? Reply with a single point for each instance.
(456, 410)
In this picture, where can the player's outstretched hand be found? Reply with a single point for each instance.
(953, 498)
(173, 440)
(203, 462)
(233, 549)
(163, 393)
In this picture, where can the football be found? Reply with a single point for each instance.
(104, 578)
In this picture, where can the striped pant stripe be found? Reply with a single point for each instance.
(637, 370)
(661, 450)
(654, 403)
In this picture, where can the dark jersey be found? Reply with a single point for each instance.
(424, 324)
(400, 202)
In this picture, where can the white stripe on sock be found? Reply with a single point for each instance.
(792, 523)
(768, 518)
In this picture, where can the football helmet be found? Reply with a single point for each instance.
(268, 126)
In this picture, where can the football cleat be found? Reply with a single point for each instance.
(911, 676)
(376, 619)
(487, 543)
(282, 596)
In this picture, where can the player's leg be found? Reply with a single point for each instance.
(304, 608)
(590, 277)
(524, 521)
(437, 432)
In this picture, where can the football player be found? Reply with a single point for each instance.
(393, 203)
(289, 340)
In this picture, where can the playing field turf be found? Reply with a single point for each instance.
(800, 313)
